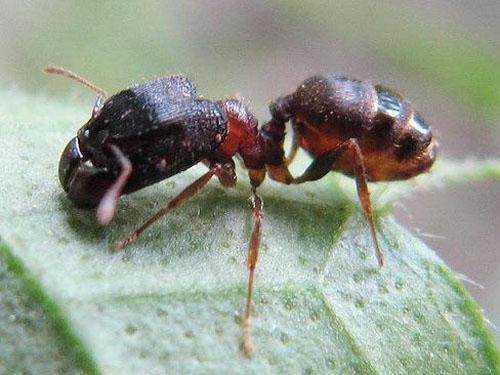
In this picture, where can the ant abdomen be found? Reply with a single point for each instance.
(406, 127)
(327, 110)
(350, 126)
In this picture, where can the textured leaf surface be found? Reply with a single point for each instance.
(174, 300)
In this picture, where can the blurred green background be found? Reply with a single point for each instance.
(444, 56)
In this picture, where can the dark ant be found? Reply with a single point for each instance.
(154, 130)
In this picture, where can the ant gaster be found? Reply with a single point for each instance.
(154, 130)
(354, 127)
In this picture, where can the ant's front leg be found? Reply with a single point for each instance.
(324, 164)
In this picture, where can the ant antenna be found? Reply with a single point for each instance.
(69, 74)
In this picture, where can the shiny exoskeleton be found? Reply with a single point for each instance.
(162, 128)
(154, 130)
(354, 127)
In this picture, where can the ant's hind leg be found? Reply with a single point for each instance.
(323, 164)
(364, 196)
(253, 252)
(182, 197)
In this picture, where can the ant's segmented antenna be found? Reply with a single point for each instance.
(69, 74)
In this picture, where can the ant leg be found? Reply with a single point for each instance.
(253, 252)
(323, 164)
(108, 203)
(364, 196)
(280, 173)
(228, 177)
(69, 74)
(293, 150)
(183, 196)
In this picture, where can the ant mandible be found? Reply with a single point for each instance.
(154, 130)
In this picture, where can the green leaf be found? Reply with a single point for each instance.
(173, 302)
(36, 336)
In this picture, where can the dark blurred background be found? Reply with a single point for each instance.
(443, 55)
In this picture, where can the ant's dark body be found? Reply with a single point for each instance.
(154, 130)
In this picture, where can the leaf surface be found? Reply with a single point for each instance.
(174, 300)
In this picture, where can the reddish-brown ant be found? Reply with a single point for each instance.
(154, 130)
(354, 127)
